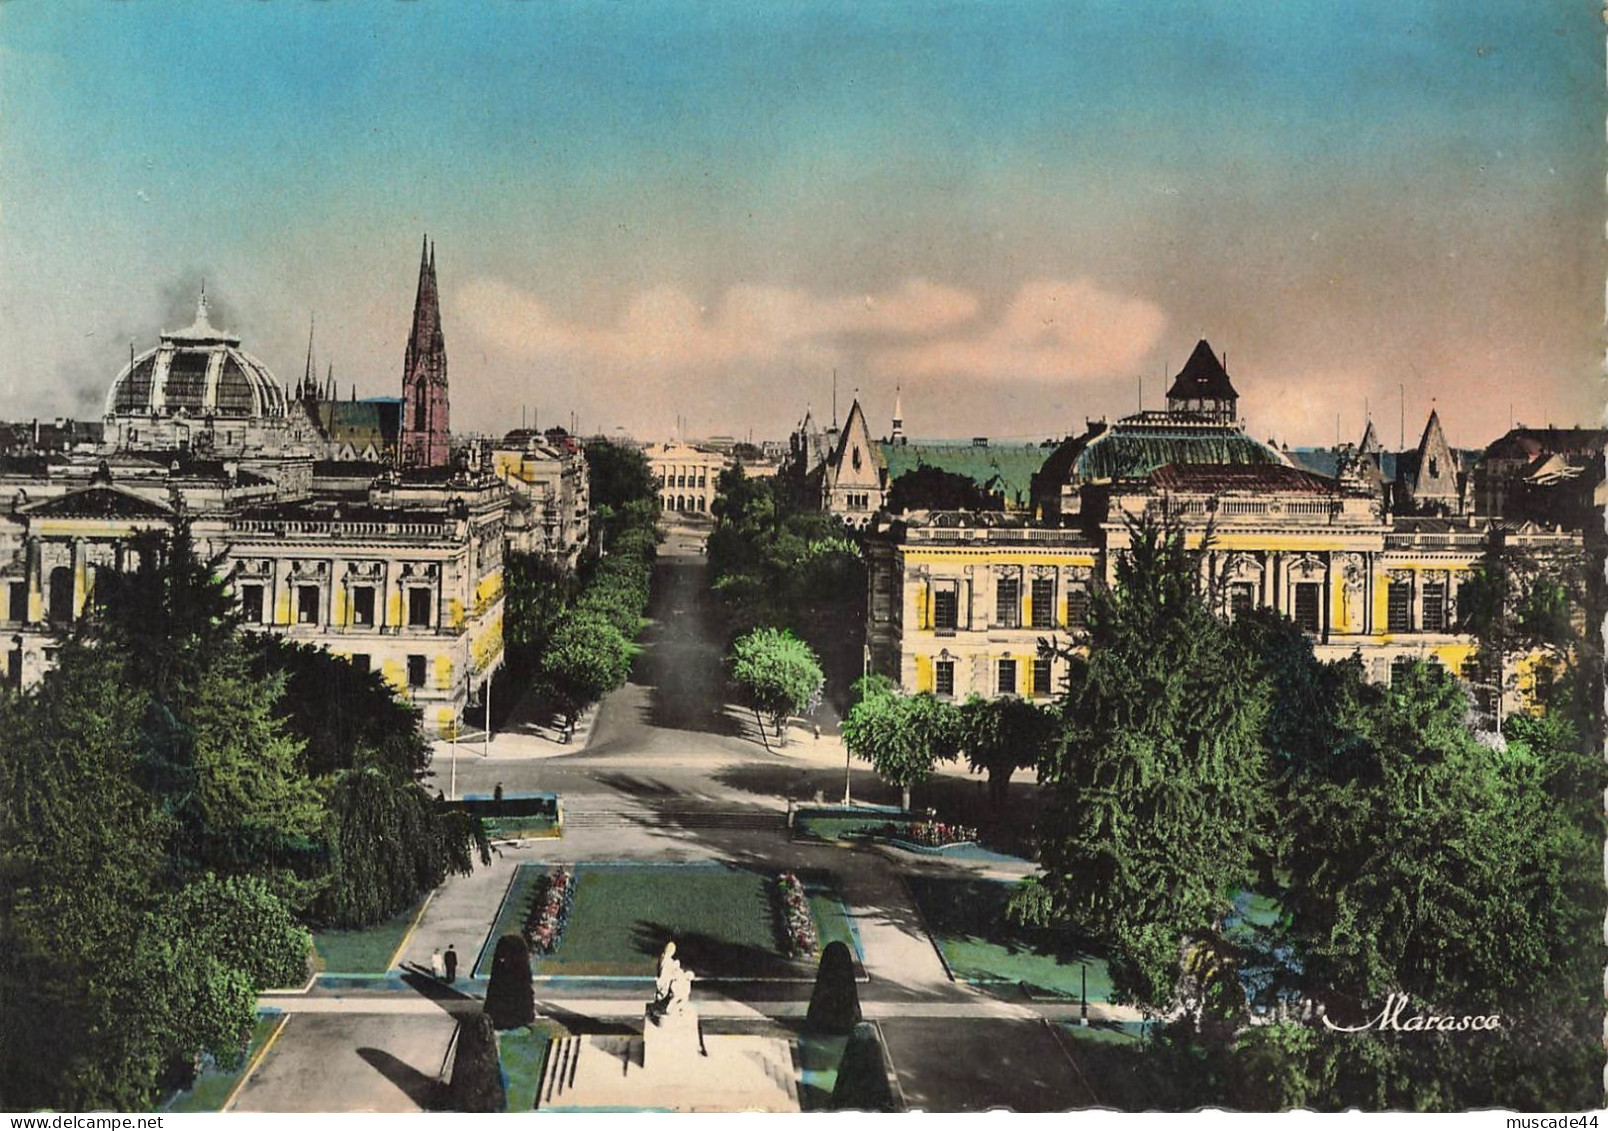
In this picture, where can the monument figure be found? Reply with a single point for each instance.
(672, 988)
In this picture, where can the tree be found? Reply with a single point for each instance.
(388, 842)
(240, 921)
(1002, 735)
(339, 714)
(618, 476)
(903, 736)
(778, 674)
(933, 488)
(1158, 806)
(510, 997)
(586, 659)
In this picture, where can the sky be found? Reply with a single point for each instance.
(1020, 215)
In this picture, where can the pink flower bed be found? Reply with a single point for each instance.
(549, 911)
(799, 924)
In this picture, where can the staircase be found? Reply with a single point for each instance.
(642, 817)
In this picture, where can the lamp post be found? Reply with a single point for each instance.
(1083, 1008)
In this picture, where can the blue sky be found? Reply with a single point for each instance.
(1012, 210)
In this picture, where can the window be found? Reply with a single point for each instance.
(1434, 467)
(19, 601)
(306, 604)
(881, 594)
(1043, 602)
(1481, 681)
(363, 606)
(1241, 598)
(946, 608)
(419, 608)
(1400, 668)
(61, 594)
(1008, 602)
(1006, 684)
(415, 671)
(251, 603)
(1308, 600)
(1435, 606)
(1077, 608)
(1400, 607)
(944, 678)
(1041, 677)
(360, 661)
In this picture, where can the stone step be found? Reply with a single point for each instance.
(558, 1076)
(673, 819)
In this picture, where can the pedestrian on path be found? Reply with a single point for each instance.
(451, 960)
(437, 966)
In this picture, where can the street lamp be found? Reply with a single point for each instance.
(1084, 1007)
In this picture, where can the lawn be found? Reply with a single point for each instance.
(524, 1053)
(215, 1085)
(508, 828)
(723, 919)
(982, 946)
(365, 951)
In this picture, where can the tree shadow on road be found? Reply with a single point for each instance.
(421, 1089)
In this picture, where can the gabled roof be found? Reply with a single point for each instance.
(1202, 377)
(1370, 445)
(873, 449)
(98, 501)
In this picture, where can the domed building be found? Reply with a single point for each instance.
(199, 391)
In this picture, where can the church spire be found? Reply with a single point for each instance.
(424, 375)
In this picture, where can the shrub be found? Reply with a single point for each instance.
(835, 1004)
(477, 1084)
(510, 998)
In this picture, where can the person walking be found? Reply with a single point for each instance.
(451, 960)
(437, 966)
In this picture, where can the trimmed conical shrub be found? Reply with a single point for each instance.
(510, 998)
(477, 1084)
(835, 1004)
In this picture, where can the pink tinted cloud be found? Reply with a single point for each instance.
(667, 329)
(1051, 330)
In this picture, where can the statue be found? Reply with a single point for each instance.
(672, 988)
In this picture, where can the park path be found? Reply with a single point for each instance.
(663, 749)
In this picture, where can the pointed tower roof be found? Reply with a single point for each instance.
(426, 333)
(1370, 445)
(1202, 377)
(1432, 432)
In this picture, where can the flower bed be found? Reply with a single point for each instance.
(798, 925)
(549, 910)
(936, 834)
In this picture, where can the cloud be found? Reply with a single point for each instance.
(1051, 330)
(666, 328)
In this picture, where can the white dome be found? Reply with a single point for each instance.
(199, 371)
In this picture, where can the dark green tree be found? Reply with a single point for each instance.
(1000, 736)
(586, 659)
(933, 488)
(1158, 804)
